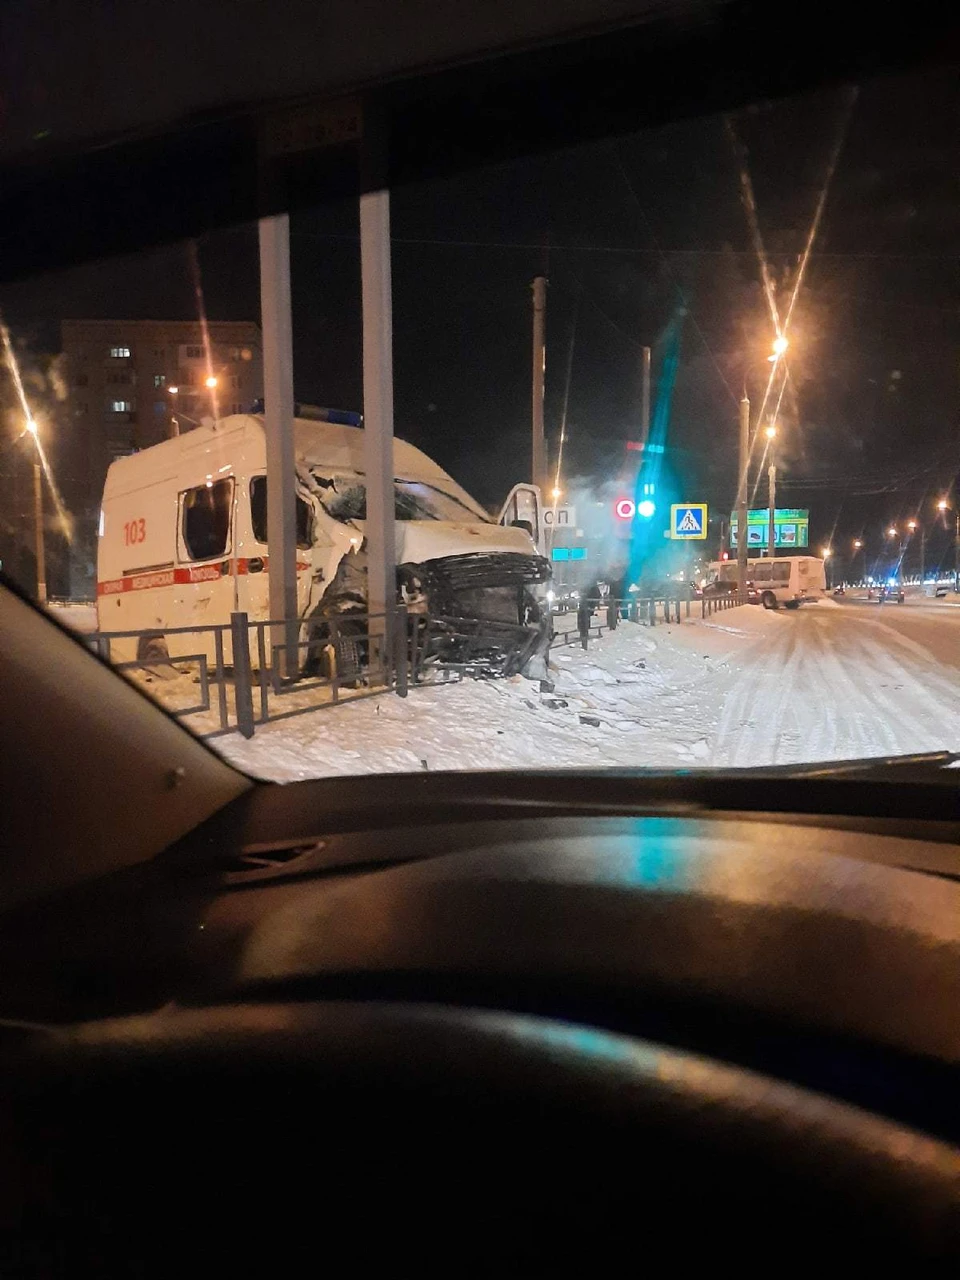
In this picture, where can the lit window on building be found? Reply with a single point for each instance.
(159, 379)
(120, 406)
(120, 353)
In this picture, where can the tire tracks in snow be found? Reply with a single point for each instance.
(755, 712)
(828, 686)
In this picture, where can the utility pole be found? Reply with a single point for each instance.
(278, 428)
(376, 288)
(772, 524)
(744, 465)
(38, 533)
(645, 396)
(956, 552)
(539, 451)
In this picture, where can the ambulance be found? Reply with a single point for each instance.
(183, 544)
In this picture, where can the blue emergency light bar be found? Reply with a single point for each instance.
(342, 417)
(568, 553)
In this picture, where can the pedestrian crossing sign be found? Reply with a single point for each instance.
(688, 520)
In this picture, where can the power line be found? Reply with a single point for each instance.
(632, 250)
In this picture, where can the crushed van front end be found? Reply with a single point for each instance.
(484, 614)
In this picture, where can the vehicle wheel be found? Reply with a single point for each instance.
(793, 604)
(343, 648)
(768, 600)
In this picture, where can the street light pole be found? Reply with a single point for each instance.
(539, 445)
(826, 553)
(744, 462)
(644, 395)
(858, 545)
(913, 525)
(772, 491)
(943, 507)
(38, 532)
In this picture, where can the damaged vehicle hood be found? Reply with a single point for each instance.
(418, 541)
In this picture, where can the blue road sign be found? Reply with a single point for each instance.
(688, 520)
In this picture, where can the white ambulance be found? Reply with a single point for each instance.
(183, 543)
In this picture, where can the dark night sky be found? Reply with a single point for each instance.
(628, 231)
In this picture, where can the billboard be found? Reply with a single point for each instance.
(791, 528)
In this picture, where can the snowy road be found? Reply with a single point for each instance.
(842, 681)
(831, 681)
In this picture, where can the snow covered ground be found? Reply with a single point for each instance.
(79, 617)
(648, 697)
(745, 687)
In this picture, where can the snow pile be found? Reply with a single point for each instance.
(78, 617)
(638, 697)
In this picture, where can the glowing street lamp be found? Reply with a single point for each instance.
(771, 432)
(892, 532)
(556, 494)
(780, 345)
(211, 383)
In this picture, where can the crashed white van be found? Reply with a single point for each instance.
(183, 543)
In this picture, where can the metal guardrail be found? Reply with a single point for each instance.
(640, 609)
(244, 683)
(716, 604)
(359, 658)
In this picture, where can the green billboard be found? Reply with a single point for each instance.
(791, 528)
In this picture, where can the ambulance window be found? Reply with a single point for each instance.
(258, 515)
(206, 519)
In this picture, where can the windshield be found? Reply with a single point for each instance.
(345, 498)
(723, 521)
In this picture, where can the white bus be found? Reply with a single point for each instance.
(183, 543)
(775, 581)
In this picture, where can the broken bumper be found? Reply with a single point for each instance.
(478, 647)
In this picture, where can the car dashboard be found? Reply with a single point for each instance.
(744, 994)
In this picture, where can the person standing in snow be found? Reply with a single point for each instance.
(592, 595)
(617, 579)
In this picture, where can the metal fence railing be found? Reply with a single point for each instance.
(228, 677)
(264, 670)
(595, 617)
(717, 603)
